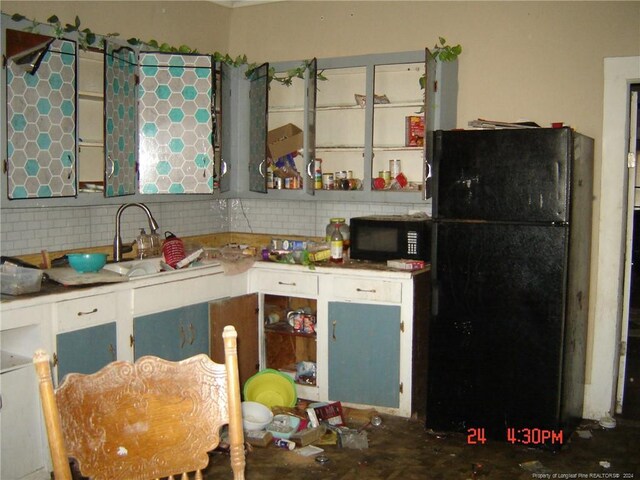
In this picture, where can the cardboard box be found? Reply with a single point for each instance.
(414, 131)
(284, 140)
(405, 264)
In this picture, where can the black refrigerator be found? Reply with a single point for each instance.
(510, 283)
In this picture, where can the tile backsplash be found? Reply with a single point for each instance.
(29, 230)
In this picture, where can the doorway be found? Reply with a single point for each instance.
(629, 405)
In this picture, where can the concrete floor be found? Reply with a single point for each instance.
(404, 449)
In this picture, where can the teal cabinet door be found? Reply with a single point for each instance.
(364, 353)
(86, 350)
(173, 334)
(41, 124)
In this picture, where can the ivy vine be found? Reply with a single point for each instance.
(87, 39)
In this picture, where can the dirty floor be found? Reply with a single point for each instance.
(404, 449)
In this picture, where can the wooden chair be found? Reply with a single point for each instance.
(146, 420)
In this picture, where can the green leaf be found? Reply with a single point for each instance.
(77, 22)
(133, 41)
(442, 41)
(53, 19)
(91, 38)
(16, 17)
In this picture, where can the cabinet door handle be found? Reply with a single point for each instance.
(288, 284)
(192, 330)
(333, 334)
(260, 169)
(364, 290)
(95, 310)
(223, 168)
(183, 338)
(112, 351)
(110, 167)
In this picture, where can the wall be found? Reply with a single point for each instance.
(29, 230)
(541, 61)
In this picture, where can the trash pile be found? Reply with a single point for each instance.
(308, 426)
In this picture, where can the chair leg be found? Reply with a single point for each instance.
(51, 417)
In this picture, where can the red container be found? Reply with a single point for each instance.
(172, 249)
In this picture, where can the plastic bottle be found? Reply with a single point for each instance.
(336, 245)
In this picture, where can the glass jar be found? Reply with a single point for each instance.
(344, 231)
(336, 245)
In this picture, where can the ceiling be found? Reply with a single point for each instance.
(241, 3)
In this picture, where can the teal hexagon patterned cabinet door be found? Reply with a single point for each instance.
(41, 125)
(120, 120)
(175, 105)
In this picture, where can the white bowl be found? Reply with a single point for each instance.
(255, 416)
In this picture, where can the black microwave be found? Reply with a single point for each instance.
(388, 237)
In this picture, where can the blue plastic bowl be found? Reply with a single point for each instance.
(87, 262)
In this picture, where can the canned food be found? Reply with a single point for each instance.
(327, 181)
(394, 167)
(277, 183)
(386, 176)
(269, 179)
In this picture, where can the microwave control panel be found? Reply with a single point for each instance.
(412, 243)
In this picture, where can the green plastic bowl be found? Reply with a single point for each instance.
(271, 388)
(87, 262)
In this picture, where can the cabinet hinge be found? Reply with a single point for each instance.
(401, 388)
(402, 327)
(4, 166)
(435, 86)
(55, 359)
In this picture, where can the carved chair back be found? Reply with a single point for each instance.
(145, 420)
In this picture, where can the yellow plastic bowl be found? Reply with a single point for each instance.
(271, 388)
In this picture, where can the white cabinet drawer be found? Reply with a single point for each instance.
(86, 312)
(171, 295)
(288, 283)
(364, 289)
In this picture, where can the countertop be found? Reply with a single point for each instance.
(51, 288)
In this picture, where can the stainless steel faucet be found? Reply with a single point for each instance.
(117, 241)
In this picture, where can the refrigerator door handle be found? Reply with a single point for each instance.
(434, 298)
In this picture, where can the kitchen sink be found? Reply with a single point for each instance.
(136, 268)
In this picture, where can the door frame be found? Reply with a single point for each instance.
(610, 225)
(632, 156)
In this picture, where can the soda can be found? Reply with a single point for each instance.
(284, 443)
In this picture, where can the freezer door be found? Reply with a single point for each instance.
(495, 338)
(502, 175)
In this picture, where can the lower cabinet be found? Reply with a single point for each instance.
(368, 325)
(85, 338)
(364, 353)
(86, 350)
(173, 334)
(22, 449)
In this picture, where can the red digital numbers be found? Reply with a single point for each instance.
(534, 436)
(476, 436)
(523, 436)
